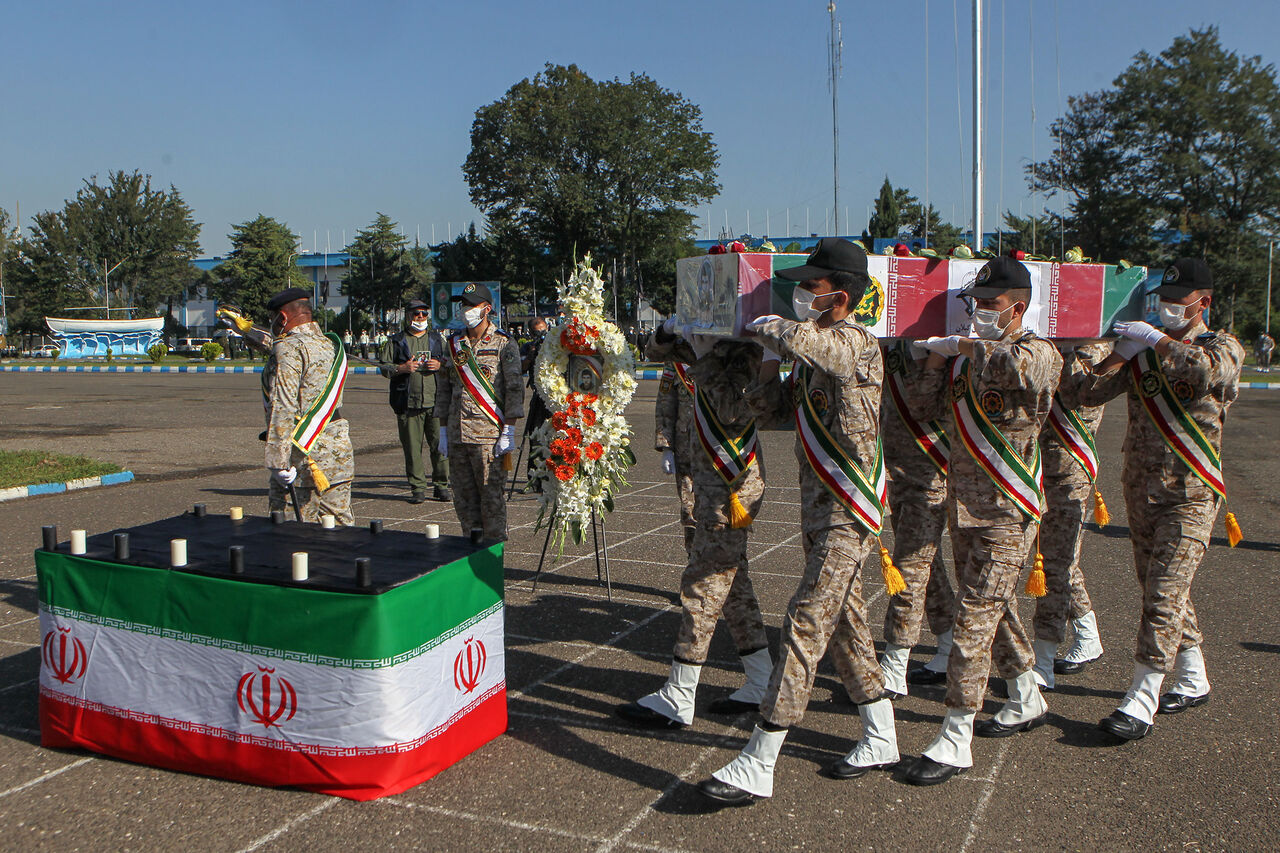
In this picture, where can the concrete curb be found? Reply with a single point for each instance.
(68, 486)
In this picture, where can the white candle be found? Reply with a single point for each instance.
(237, 513)
(328, 522)
(78, 542)
(299, 565)
(177, 552)
(433, 531)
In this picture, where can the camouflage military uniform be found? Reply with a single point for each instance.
(476, 472)
(989, 535)
(827, 610)
(1068, 494)
(918, 502)
(296, 376)
(716, 580)
(1171, 510)
(673, 425)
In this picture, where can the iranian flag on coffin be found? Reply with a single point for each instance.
(354, 695)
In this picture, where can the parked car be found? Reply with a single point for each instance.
(46, 351)
(189, 346)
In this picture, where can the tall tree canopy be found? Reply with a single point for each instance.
(1186, 144)
(149, 233)
(259, 265)
(569, 164)
(384, 272)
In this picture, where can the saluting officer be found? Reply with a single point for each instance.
(1180, 382)
(999, 389)
(479, 400)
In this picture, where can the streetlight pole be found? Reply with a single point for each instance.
(1271, 248)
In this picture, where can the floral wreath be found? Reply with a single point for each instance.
(587, 440)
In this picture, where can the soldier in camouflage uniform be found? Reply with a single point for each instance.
(1171, 506)
(1013, 373)
(673, 422)
(1068, 494)
(296, 376)
(918, 502)
(827, 612)
(473, 441)
(715, 581)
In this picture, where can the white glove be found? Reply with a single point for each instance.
(760, 321)
(506, 441)
(1127, 348)
(1140, 331)
(285, 476)
(947, 346)
(668, 462)
(669, 325)
(769, 355)
(443, 447)
(702, 344)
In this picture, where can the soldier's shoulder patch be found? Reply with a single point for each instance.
(893, 362)
(502, 332)
(664, 386)
(992, 402)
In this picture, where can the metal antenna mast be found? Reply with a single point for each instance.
(835, 47)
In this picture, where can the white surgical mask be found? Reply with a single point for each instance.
(802, 305)
(986, 322)
(473, 316)
(1174, 316)
(418, 325)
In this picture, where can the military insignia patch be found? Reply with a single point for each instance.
(470, 288)
(1170, 275)
(664, 387)
(983, 274)
(894, 361)
(818, 398)
(1182, 388)
(871, 306)
(959, 387)
(1150, 385)
(486, 371)
(992, 402)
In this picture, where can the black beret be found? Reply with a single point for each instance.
(284, 297)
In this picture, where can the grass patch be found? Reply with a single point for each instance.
(33, 467)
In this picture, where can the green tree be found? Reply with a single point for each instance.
(1035, 235)
(259, 265)
(384, 272)
(571, 165)
(886, 221)
(126, 236)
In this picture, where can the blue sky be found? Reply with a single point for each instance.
(322, 114)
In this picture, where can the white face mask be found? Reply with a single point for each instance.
(802, 304)
(1174, 316)
(418, 325)
(986, 322)
(473, 316)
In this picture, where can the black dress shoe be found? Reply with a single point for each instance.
(723, 792)
(1124, 726)
(442, 493)
(1069, 667)
(844, 770)
(926, 771)
(417, 497)
(994, 728)
(728, 706)
(925, 676)
(1176, 703)
(639, 715)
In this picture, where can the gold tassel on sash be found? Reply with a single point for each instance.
(738, 515)
(1100, 515)
(317, 476)
(1036, 585)
(893, 582)
(1234, 533)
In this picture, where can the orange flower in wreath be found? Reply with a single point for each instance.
(571, 455)
(594, 451)
(560, 420)
(564, 473)
(573, 436)
(588, 416)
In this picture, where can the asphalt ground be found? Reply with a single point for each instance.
(569, 775)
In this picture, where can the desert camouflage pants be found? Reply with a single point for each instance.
(332, 454)
(827, 610)
(1169, 541)
(716, 583)
(684, 492)
(987, 631)
(478, 480)
(1067, 499)
(919, 521)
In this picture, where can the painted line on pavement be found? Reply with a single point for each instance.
(46, 777)
(283, 828)
(980, 809)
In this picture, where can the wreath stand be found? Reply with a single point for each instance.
(598, 541)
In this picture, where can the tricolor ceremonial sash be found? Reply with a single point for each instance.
(730, 455)
(1176, 427)
(864, 499)
(316, 418)
(681, 370)
(929, 436)
(1075, 436)
(473, 380)
(1020, 482)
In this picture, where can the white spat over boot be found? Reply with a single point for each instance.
(758, 666)
(675, 699)
(951, 746)
(752, 770)
(938, 663)
(893, 666)
(1086, 645)
(1024, 711)
(1043, 669)
(1144, 694)
(879, 744)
